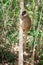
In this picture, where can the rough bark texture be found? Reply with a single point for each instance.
(21, 36)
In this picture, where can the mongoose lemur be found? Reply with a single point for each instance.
(26, 24)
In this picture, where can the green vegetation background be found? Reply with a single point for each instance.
(9, 25)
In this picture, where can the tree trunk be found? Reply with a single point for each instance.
(21, 36)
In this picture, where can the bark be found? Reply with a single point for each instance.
(21, 36)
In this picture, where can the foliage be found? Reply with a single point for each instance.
(9, 24)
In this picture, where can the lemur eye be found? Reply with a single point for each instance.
(23, 13)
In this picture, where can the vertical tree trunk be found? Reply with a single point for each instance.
(21, 36)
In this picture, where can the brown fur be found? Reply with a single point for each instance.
(26, 22)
